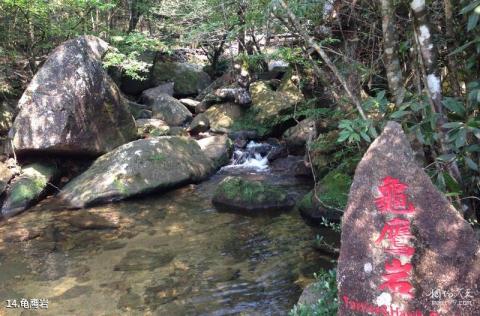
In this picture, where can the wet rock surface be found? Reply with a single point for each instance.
(402, 240)
(236, 194)
(27, 188)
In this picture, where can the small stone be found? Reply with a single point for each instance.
(138, 260)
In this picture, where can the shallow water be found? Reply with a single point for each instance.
(167, 254)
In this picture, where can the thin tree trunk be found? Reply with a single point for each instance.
(433, 83)
(452, 63)
(392, 61)
(308, 39)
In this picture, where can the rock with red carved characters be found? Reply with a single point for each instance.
(405, 249)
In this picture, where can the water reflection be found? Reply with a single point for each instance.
(169, 254)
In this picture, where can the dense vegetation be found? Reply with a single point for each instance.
(359, 63)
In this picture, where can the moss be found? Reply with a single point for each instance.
(334, 188)
(157, 157)
(306, 202)
(235, 188)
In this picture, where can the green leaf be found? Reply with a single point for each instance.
(471, 164)
(473, 5)
(472, 21)
(446, 157)
(399, 114)
(452, 125)
(365, 137)
(473, 148)
(454, 105)
(452, 184)
(461, 138)
(343, 137)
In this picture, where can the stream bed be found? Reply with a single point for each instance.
(166, 254)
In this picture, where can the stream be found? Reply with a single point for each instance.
(165, 254)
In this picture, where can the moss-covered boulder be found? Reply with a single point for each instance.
(139, 167)
(237, 194)
(28, 188)
(221, 117)
(189, 79)
(218, 148)
(268, 104)
(170, 110)
(330, 199)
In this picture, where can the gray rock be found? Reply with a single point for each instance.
(72, 106)
(234, 94)
(139, 111)
(6, 175)
(189, 79)
(402, 240)
(171, 111)
(297, 136)
(28, 188)
(200, 124)
(310, 295)
(218, 148)
(190, 104)
(139, 167)
(149, 96)
(154, 127)
(222, 116)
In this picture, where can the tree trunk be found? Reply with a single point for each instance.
(452, 63)
(392, 61)
(310, 41)
(428, 57)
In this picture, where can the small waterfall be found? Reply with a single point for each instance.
(252, 157)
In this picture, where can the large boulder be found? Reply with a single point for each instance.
(72, 106)
(170, 110)
(149, 96)
(218, 148)
(234, 94)
(27, 188)
(189, 79)
(139, 167)
(221, 117)
(237, 194)
(405, 250)
(296, 137)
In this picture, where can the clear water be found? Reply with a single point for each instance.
(166, 254)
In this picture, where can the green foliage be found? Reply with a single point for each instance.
(327, 305)
(127, 54)
(356, 130)
(334, 188)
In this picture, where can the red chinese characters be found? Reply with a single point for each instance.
(393, 198)
(396, 231)
(396, 278)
